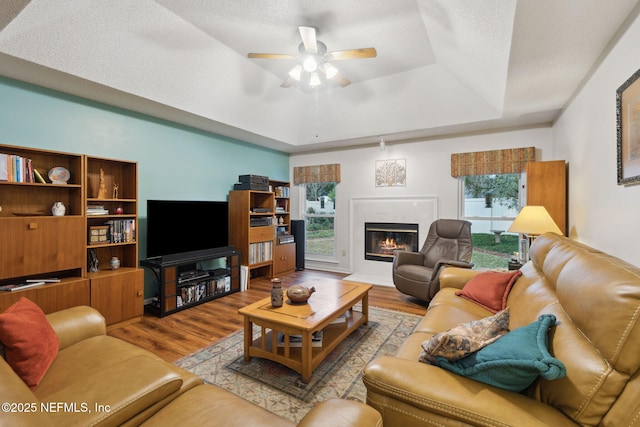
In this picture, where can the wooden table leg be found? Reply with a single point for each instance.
(306, 357)
(248, 338)
(365, 307)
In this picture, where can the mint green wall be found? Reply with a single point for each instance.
(174, 161)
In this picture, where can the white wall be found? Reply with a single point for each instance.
(428, 174)
(602, 214)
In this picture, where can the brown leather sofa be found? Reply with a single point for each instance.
(596, 300)
(98, 380)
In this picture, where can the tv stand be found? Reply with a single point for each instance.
(192, 278)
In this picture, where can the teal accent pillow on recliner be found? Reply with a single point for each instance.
(513, 361)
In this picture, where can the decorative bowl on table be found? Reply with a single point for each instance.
(299, 294)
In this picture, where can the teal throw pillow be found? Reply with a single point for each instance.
(513, 361)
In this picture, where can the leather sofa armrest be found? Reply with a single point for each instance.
(404, 257)
(449, 263)
(435, 393)
(341, 413)
(456, 277)
(75, 324)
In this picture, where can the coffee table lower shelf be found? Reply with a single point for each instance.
(266, 345)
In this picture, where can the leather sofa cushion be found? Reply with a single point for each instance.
(209, 405)
(115, 393)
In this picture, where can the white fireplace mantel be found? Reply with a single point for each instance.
(421, 210)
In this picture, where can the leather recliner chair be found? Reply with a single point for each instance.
(448, 243)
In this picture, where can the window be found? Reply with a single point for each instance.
(491, 203)
(319, 215)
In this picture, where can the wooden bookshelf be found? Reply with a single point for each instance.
(251, 230)
(35, 244)
(284, 253)
(118, 294)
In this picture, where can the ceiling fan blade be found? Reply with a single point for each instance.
(308, 35)
(367, 52)
(341, 81)
(271, 56)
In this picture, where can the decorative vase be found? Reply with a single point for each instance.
(114, 263)
(58, 209)
(276, 293)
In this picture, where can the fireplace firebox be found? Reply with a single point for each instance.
(381, 239)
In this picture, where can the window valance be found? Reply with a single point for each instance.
(511, 160)
(317, 173)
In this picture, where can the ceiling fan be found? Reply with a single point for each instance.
(314, 67)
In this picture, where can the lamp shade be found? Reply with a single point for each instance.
(534, 220)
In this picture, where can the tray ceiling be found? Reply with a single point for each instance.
(443, 66)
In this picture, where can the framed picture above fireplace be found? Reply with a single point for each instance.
(391, 173)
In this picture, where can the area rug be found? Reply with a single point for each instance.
(280, 389)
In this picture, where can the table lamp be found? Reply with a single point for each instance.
(533, 221)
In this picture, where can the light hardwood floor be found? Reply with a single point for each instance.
(187, 331)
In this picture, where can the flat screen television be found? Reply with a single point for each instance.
(178, 226)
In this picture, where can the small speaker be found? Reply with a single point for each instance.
(297, 229)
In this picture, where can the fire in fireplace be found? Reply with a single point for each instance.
(381, 239)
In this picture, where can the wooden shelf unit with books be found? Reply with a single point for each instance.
(251, 230)
(192, 278)
(284, 253)
(35, 244)
(118, 294)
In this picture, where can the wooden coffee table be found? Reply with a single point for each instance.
(323, 311)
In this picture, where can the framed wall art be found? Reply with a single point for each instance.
(391, 173)
(628, 130)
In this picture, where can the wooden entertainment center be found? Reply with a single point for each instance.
(97, 194)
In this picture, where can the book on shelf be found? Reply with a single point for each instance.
(260, 252)
(281, 191)
(38, 176)
(97, 210)
(14, 168)
(49, 280)
(121, 230)
(340, 319)
(4, 167)
(20, 286)
(295, 341)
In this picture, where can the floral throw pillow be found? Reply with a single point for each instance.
(514, 361)
(466, 338)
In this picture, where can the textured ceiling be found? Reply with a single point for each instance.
(443, 66)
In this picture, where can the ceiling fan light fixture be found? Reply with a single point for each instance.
(330, 71)
(296, 73)
(314, 80)
(310, 64)
(313, 68)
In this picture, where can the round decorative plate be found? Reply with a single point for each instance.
(59, 175)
